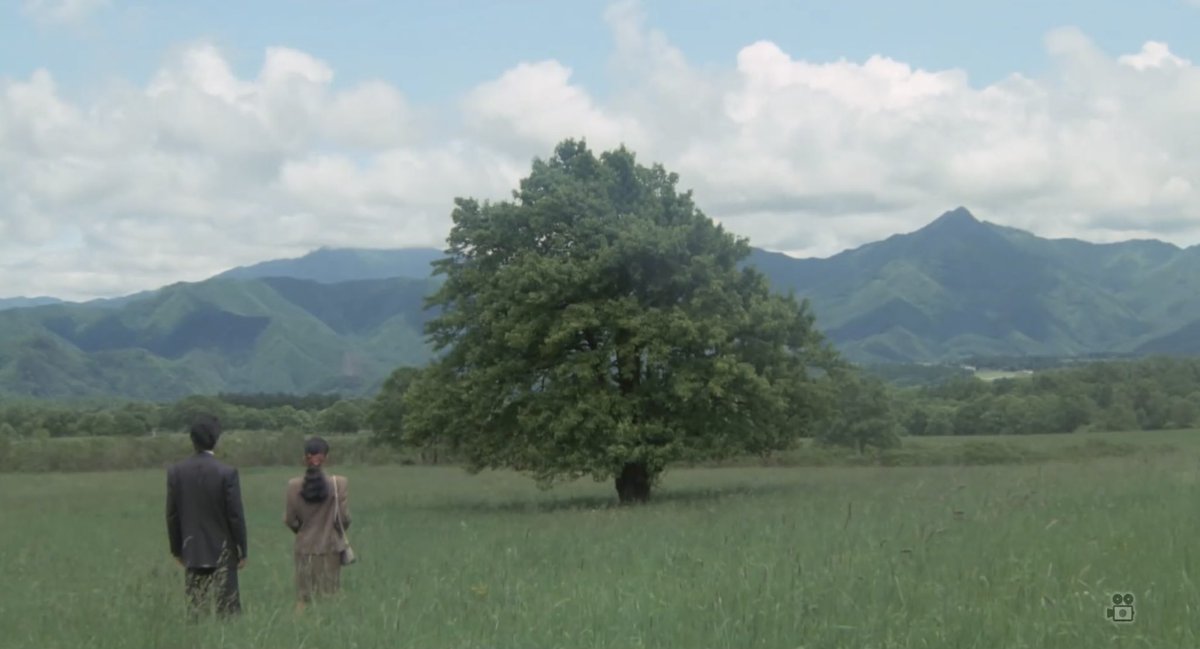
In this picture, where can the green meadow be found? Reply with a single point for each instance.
(1009, 556)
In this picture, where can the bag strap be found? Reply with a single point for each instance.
(337, 512)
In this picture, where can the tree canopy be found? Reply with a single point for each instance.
(599, 324)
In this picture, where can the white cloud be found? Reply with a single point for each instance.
(1153, 55)
(63, 11)
(536, 104)
(371, 116)
(202, 169)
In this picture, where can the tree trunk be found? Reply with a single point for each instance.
(633, 485)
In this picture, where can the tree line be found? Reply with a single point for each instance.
(322, 413)
(1147, 394)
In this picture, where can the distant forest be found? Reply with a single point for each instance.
(1148, 394)
(268, 412)
(1106, 395)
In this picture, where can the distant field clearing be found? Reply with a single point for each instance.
(992, 375)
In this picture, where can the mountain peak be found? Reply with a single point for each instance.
(960, 215)
(956, 222)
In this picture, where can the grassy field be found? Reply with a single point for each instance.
(994, 556)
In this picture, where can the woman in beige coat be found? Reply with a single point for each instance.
(319, 520)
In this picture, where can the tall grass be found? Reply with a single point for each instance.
(1000, 556)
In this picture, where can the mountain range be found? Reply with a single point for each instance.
(20, 302)
(258, 334)
(960, 287)
(342, 319)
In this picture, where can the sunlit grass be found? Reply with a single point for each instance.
(1003, 556)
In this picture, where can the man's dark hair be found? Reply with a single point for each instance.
(205, 431)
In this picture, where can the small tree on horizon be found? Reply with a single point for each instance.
(599, 324)
(864, 415)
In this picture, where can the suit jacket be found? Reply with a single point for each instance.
(318, 530)
(205, 519)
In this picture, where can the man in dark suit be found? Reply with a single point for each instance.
(206, 523)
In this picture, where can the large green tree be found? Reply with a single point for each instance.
(599, 324)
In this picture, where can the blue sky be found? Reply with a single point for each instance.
(143, 143)
(436, 50)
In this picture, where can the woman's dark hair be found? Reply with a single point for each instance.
(316, 446)
(315, 489)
